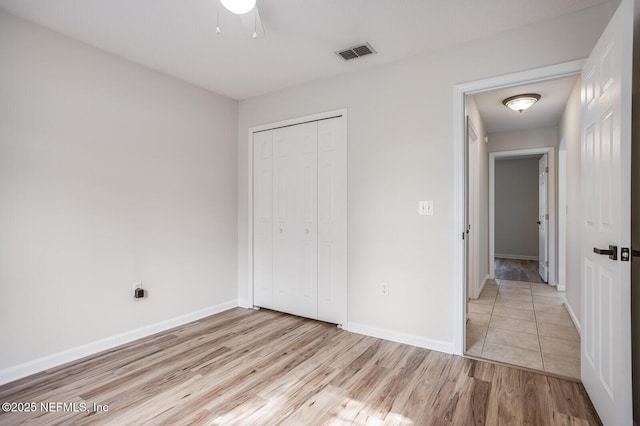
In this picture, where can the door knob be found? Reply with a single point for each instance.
(538, 222)
(612, 252)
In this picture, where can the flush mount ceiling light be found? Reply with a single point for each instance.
(521, 102)
(239, 7)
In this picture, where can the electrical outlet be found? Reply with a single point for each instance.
(138, 292)
(384, 289)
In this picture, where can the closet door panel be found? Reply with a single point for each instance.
(307, 135)
(262, 219)
(332, 221)
(300, 220)
(295, 222)
(283, 168)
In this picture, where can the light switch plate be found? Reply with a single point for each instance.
(425, 208)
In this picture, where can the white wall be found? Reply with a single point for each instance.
(482, 231)
(524, 139)
(109, 173)
(516, 208)
(569, 128)
(400, 151)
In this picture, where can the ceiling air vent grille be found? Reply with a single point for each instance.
(356, 51)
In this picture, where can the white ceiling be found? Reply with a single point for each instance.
(178, 37)
(544, 113)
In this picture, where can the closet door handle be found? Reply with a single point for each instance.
(280, 230)
(306, 231)
(612, 252)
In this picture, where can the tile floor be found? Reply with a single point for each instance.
(524, 324)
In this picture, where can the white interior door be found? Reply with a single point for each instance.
(606, 179)
(262, 219)
(465, 232)
(332, 220)
(295, 226)
(472, 225)
(300, 219)
(543, 218)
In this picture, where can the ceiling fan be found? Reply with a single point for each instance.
(249, 15)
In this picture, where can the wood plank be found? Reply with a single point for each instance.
(263, 367)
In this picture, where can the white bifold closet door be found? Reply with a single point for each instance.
(295, 224)
(299, 198)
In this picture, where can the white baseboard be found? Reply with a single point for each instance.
(395, 336)
(484, 282)
(573, 317)
(516, 256)
(561, 287)
(73, 354)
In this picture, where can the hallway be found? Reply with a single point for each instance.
(524, 324)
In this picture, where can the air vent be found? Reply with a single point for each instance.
(356, 51)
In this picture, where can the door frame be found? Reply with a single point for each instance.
(551, 196)
(561, 279)
(248, 303)
(459, 122)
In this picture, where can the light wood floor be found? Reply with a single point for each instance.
(262, 367)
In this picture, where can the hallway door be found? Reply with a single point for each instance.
(606, 222)
(473, 280)
(543, 218)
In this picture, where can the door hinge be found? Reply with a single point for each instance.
(546, 216)
(546, 169)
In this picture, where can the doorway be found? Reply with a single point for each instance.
(513, 320)
(521, 225)
(515, 242)
(604, 139)
(518, 318)
(460, 207)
